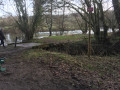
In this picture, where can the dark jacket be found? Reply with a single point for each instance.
(2, 37)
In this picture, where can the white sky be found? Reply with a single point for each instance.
(9, 6)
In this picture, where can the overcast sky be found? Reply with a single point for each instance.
(9, 6)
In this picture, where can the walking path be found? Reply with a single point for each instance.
(28, 45)
(22, 74)
(10, 48)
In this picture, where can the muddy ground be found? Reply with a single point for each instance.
(36, 69)
(30, 75)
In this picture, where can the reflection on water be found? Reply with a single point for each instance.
(10, 38)
(46, 34)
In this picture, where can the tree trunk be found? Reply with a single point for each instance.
(113, 30)
(97, 33)
(105, 27)
(51, 19)
(96, 22)
(28, 36)
(116, 5)
(86, 28)
(63, 18)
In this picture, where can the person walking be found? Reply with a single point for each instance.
(2, 37)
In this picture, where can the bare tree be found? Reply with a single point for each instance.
(97, 17)
(63, 18)
(28, 24)
(49, 15)
(116, 4)
(111, 20)
(83, 26)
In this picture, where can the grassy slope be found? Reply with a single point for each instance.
(99, 72)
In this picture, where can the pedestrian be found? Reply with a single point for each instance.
(2, 38)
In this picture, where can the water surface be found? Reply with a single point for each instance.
(10, 38)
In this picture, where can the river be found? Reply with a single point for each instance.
(10, 38)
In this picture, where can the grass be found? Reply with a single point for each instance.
(105, 71)
(101, 71)
(46, 55)
(108, 65)
(57, 39)
(77, 36)
(104, 66)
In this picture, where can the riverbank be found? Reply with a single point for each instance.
(38, 69)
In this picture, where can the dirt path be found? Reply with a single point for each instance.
(12, 49)
(25, 75)
(22, 76)
(28, 45)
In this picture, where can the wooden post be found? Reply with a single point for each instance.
(15, 41)
(90, 9)
(89, 39)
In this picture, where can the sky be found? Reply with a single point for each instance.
(8, 7)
